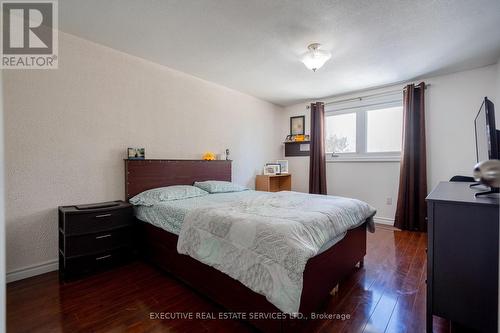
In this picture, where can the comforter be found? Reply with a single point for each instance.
(265, 241)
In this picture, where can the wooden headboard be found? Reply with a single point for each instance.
(142, 175)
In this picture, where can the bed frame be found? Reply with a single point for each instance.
(322, 273)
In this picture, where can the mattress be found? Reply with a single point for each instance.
(169, 215)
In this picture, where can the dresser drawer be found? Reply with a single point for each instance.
(77, 266)
(93, 222)
(78, 245)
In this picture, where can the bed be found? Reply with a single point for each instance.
(322, 273)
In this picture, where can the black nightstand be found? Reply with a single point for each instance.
(95, 237)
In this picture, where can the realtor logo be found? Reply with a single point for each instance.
(29, 34)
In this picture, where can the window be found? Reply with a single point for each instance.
(341, 133)
(365, 129)
(384, 130)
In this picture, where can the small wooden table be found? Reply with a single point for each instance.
(274, 183)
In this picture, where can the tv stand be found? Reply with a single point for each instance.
(492, 190)
(462, 258)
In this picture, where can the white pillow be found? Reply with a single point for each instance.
(176, 192)
(217, 186)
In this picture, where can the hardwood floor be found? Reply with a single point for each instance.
(386, 295)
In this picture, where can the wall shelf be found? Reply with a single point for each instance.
(297, 148)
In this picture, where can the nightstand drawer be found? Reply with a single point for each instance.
(92, 222)
(99, 242)
(77, 266)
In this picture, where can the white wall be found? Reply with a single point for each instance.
(67, 131)
(498, 88)
(452, 102)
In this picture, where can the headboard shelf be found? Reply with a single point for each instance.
(142, 175)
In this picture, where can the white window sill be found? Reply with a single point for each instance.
(363, 159)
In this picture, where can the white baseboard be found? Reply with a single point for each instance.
(383, 220)
(32, 270)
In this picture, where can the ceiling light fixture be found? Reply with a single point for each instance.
(315, 58)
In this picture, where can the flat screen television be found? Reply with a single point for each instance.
(487, 137)
(486, 133)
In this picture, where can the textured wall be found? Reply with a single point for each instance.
(2, 215)
(67, 131)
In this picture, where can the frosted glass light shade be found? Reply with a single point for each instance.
(315, 58)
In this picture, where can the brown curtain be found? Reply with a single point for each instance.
(411, 209)
(317, 163)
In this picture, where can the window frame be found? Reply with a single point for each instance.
(361, 106)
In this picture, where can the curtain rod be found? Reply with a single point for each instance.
(366, 96)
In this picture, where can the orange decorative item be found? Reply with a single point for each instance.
(299, 137)
(208, 156)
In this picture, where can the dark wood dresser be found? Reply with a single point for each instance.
(95, 237)
(462, 258)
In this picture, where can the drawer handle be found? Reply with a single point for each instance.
(103, 215)
(103, 257)
(103, 236)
